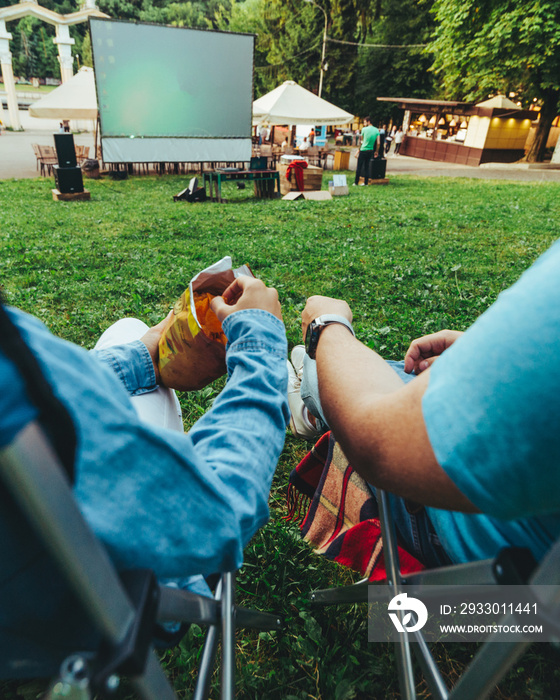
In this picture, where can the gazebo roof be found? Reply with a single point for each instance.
(290, 104)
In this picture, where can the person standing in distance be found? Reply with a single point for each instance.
(370, 136)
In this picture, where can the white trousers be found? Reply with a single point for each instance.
(160, 407)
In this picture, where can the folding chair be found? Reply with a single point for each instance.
(124, 610)
(313, 155)
(512, 566)
(82, 154)
(37, 153)
(48, 159)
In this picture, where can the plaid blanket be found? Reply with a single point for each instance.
(341, 519)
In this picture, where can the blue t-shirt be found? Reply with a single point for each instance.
(492, 412)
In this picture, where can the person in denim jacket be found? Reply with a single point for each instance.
(182, 504)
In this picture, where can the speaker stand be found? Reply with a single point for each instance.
(70, 196)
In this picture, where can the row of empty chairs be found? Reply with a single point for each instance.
(164, 168)
(314, 155)
(46, 157)
(82, 154)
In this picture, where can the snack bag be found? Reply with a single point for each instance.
(192, 348)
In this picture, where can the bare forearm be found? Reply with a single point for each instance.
(377, 420)
(351, 376)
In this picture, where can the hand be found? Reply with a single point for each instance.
(246, 293)
(317, 306)
(425, 350)
(151, 341)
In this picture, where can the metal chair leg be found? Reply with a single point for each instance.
(402, 643)
(228, 636)
(208, 659)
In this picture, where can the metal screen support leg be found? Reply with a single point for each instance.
(228, 636)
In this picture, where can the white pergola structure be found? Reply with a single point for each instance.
(62, 39)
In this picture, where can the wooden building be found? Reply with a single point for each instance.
(494, 131)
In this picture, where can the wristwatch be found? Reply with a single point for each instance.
(316, 327)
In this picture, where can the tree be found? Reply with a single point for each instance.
(485, 47)
(186, 14)
(34, 54)
(291, 44)
(87, 56)
(248, 16)
(293, 32)
(395, 72)
(342, 59)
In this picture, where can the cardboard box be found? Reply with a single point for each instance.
(317, 196)
(338, 191)
(312, 179)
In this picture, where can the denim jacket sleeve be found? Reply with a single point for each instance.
(242, 436)
(188, 504)
(132, 364)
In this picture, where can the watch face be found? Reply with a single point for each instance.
(315, 328)
(312, 338)
(308, 334)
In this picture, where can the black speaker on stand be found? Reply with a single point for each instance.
(65, 151)
(67, 174)
(68, 180)
(377, 168)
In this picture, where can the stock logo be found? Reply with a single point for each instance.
(403, 603)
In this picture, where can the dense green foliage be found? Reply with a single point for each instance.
(289, 36)
(404, 48)
(410, 258)
(482, 48)
(399, 71)
(33, 52)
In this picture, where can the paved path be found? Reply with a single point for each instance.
(17, 159)
(488, 171)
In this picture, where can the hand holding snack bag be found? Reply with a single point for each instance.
(192, 348)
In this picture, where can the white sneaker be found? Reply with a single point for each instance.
(297, 357)
(300, 424)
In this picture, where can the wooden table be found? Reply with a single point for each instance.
(267, 182)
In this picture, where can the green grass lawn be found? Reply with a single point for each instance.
(29, 88)
(410, 258)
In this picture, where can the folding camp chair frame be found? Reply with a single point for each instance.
(32, 473)
(494, 658)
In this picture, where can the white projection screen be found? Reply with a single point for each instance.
(169, 94)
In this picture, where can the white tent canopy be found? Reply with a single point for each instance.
(74, 99)
(290, 104)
